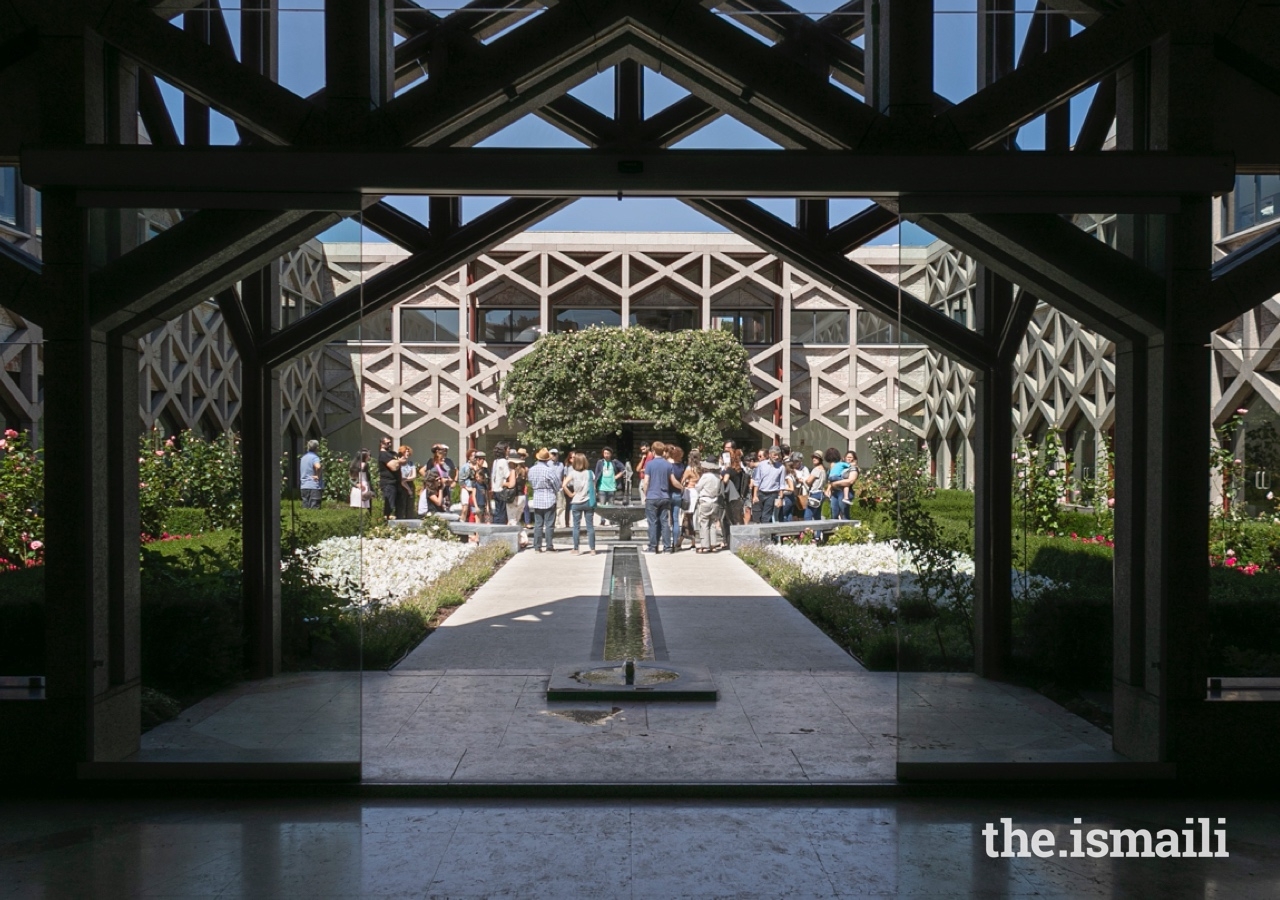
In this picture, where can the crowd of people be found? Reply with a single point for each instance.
(698, 498)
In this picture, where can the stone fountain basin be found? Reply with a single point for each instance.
(623, 516)
(603, 680)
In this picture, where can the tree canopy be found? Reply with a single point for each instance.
(575, 387)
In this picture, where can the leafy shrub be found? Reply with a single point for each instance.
(436, 527)
(192, 636)
(1040, 483)
(21, 502)
(700, 390)
(157, 708)
(185, 520)
(1066, 639)
(851, 534)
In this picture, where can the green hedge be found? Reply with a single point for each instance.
(22, 622)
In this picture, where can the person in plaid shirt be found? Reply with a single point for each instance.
(545, 480)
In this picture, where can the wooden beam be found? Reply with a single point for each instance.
(151, 172)
(855, 281)
(1052, 78)
(498, 224)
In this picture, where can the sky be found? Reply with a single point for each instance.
(955, 77)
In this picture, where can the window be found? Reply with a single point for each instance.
(874, 330)
(510, 326)
(667, 319)
(751, 326)
(581, 319)
(429, 326)
(9, 195)
(827, 326)
(1256, 199)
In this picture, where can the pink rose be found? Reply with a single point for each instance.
(4, 445)
(1230, 561)
(1111, 502)
(1242, 412)
(10, 433)
(37, 545)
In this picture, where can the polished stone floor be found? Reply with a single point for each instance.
(319, 848)
(469, 706)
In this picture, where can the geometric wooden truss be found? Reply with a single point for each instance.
(79, 75)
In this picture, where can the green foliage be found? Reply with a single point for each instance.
(192, 637)
(576, 387)
(157, 708)
(322, 632)
(851, 534)
(185, 470)
(1102, 490)
(1040, 483)
(901, 467)
(1065, 638)
(184, 521)
(21, 502)
(849, 624)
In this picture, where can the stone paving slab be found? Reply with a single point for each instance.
(469, 704)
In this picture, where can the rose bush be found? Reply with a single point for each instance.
(21, 502)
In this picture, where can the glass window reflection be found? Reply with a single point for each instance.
(429, 326)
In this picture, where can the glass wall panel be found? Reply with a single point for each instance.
(989, 677)
(235, 669)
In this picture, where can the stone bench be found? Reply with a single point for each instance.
(488, 534)
(768, 532)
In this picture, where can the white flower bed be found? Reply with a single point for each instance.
(382, 569)
(872, 574)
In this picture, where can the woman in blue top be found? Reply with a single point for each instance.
(678, 468)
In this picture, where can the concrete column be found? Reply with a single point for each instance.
(1163, 383)
(89, 439)
(261, 449)
(993, 487)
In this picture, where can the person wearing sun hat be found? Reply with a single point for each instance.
(546, 481)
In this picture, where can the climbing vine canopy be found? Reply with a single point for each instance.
(575, 387)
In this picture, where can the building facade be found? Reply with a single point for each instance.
(826, 371)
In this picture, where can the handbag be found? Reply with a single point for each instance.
(591, 492)
(686, 500)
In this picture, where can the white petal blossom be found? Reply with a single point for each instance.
(876, 574)
(382, 570)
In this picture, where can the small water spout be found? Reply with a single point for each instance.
(630, 671)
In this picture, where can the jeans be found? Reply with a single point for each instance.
(657, 515)
(787, 509)
(499, 512)
(577, 512)
(813, 513)
(605, 497)
(389, 492)
(544, 523)
(311, 497)
(838, 508)
(676, 513)
(769, 512)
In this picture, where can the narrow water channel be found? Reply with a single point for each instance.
(627, 634)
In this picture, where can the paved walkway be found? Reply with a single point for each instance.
(469, 704)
